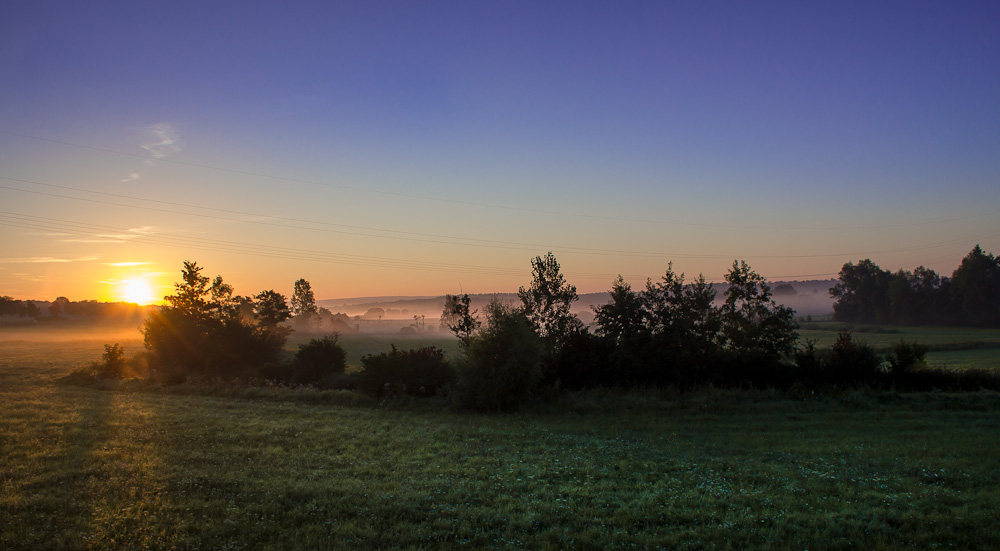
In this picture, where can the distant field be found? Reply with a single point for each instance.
(140, 468)
(81, 343)
(951, 347)
(361, 344)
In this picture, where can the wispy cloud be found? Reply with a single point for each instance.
(91, 240)
(46, 260)
(29, 277)
(163, 141)
(110, 237)
(124, 264)
(133, 176)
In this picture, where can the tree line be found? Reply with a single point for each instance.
(670, 333)
(62, 307)
(971, 296)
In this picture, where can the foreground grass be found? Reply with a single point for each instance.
(158, 469)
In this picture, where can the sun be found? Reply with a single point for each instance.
(137, 291)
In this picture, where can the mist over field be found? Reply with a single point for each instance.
(807, 298)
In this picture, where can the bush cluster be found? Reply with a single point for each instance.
(502, 367)
(319, 362)
(416, 372)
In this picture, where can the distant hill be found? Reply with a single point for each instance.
(810, 297)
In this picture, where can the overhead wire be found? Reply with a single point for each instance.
(415, 236)
(449, 200)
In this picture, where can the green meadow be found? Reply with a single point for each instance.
(129, 465)
(950, 347)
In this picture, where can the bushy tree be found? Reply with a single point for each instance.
(682, 318)
(417, 372)
(975, 286)
(304, 302)
(547, 301)
(862, 293)
(623, 318)
(459, 317)
(222, 304)
(319, 361)
(852, 362)
(191, 296)
(270, 308)
(204, 332)
(752, 322)
(905, 356)
(502, 367)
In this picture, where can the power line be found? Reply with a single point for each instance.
(458, 201)
(414, 236)
(252, 249)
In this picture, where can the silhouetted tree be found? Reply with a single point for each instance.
(623, 318)
(222, 304)
(459, 317)
(270, 308)
(546, 303)
(862, 293)
(303, 300)
(503, 362)
(192, 294)
(682, 317)
(975, 287)
(204, 332)
(752, 323)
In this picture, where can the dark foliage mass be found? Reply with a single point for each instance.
(671, 333)
(319, 362)
(502, 367)
(207, 332)
(971, 296)
(417, 372)
(11, 307)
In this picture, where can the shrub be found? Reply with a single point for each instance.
(807, 358)
(852, 362)
(503, 362)
(112, 364)
(419, 372)
(905, 356)
(319, 361)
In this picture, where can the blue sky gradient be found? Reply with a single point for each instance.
(453, 141)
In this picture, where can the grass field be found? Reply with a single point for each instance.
(142, 468)
(950, 347)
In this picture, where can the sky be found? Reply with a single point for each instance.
(422, 148)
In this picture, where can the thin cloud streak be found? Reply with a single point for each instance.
(47, 260)
(91, 241)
